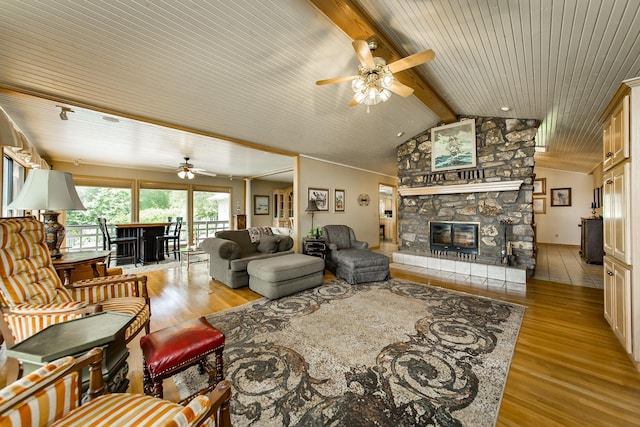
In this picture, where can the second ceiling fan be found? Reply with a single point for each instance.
(374, 81)
(188, 171)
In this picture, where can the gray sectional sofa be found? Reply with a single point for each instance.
(231, 251)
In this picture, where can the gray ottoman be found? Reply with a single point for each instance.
(361, 266)
(284, 275)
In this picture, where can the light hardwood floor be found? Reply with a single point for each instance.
(568, 368)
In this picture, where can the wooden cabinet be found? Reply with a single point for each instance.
(621, 210)
(591, 240)
(617, 300)
(389, 227)
(283, 207)
(615, 141)
(239, 222)
(617, 212)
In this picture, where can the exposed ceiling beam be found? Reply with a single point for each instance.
(350, 18)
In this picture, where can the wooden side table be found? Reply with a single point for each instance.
(71, 260)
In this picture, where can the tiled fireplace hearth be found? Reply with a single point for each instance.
(463, 266)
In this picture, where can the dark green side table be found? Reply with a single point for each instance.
(76, 337)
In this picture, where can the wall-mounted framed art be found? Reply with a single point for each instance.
(539, 205)
(453, 146)
(338, 200)
(321, 196)
(540, 186)
(561, 197)
(260, 205)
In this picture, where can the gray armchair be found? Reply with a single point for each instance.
(350, 259)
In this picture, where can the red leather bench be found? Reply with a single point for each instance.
(174, 349)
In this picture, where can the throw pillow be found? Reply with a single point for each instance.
(255, 233)
(268, 244)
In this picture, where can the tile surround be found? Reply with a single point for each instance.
(495, 273)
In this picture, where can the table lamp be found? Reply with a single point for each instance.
(312, 207)
(49, 190)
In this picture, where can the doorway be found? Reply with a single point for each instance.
(387, 196)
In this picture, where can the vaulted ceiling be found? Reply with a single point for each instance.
(216, 80)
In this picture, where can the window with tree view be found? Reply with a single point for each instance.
(114, 204)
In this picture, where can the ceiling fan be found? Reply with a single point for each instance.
(374, 81)
(188, 171)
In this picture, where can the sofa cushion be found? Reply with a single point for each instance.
(286, 243)
(240, 264)
(268, 244)
(241, 237)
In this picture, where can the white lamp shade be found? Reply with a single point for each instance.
(48, 190)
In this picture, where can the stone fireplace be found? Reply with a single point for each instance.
(496, 195)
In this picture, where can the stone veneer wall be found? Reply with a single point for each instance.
(505, 150)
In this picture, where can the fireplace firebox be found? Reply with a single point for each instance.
(459, 237)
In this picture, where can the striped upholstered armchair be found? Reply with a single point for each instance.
(52, 396)
(33, 297)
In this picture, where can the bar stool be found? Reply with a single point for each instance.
(172, 234)
(126, 247)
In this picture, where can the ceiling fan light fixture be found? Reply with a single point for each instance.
(185, 173)
(371, 84)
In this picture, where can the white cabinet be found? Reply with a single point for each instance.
(283, 207)
(617, 300)
(621, 215)
(616, 134)
(617, 212)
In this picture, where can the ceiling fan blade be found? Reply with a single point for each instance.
(400, 89)
(364, 54)
(353, 102)
(412, 61)
(335, 80)
(205, 173)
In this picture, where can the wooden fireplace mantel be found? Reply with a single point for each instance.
(461, 188)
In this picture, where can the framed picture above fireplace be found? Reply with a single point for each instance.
(453, 146)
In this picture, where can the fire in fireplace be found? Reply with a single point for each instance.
(460, 237)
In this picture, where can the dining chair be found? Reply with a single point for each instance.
(126, 247)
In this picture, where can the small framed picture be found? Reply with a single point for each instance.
(338, 201)
(540, 186)
(561, 197)
(260, 205)
(539, 205)
(321, 196)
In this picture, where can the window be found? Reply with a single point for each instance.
(157, 205)
(12, 182)
(211, 212)
(111, 203)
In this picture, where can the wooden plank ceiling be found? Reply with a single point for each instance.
(241, 75)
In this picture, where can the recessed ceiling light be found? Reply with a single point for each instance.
(505, 108)
(399, 134)
(111, 119)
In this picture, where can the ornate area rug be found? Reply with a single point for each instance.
(394, 353)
